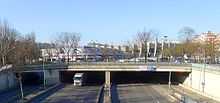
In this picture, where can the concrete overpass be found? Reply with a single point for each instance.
(108, 67)
(201, 78)
(156, 67)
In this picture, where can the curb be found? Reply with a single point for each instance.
(100, 94)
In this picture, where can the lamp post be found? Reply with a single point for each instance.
(163, 42)
(44, 79)
(203, 80)
(19, 78)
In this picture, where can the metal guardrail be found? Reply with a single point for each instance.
(207, 67)
(107, 63)
(6, 67)
(125, 63)
(100, 97)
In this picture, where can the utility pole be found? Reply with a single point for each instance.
(163, 42)
(203, 80)
(19, 77)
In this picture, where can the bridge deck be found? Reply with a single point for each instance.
(108, 67)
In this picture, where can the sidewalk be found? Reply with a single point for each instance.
(15, 94)
(192, 95)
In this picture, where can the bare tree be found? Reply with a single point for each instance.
(186, 36)
(26, 50)
(56, 47)
(68, 42)
(132, 49)
(143, 39)
(16, 49)
(7, 41)
(49, 52)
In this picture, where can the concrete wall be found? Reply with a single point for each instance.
(52, 77)
(204, 81)
(7, 80)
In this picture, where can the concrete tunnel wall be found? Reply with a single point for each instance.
(210, 78)
(52, 77)
(148, 77)
(7, 80)
(36, 78)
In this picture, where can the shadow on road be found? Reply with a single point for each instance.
(43, 96)
(114, 94)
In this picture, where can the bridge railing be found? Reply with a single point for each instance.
(6, 67)
(39, 67)
(127, 63)
(77, 64)
(207, 67)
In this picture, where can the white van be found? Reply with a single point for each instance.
(79, 79)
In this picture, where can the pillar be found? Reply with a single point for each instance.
(107, 79)
(108, 83)
(169, 83)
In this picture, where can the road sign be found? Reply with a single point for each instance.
(148, 68)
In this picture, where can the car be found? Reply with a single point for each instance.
(79, 79)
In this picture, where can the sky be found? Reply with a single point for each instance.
(110, 21)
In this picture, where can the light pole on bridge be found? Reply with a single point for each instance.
(44, 79)
(19, 77)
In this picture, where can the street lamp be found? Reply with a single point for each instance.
(19, 77)
(203, 82)
(163, 41)
(44, 80)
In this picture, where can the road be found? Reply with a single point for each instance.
(154, 93)
(140, 93)
(72, 94)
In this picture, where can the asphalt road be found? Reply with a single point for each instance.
(153, 93)
(72, 94)
(140, 93)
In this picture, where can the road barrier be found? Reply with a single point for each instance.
(100, 95)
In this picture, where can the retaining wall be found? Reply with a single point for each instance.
(7, 80)
(52, 77)
(205, 80)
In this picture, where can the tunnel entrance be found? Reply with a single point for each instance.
(92, 78)
(32, 78)
(147, 77)
(66, 76)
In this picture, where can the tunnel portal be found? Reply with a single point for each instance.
(92, 78)
(32, 78)
(147, 77)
